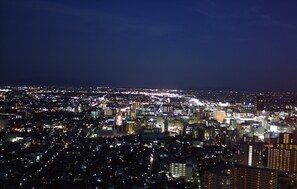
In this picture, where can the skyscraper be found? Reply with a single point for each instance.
(246, 177)
(240, 177)
(119, 122)
(283, 157)
(260, 105)
(251, 154)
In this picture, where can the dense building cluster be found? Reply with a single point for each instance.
(101, 137)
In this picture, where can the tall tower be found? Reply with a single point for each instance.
(260, 103)
(251, 154)
(119, 122)
(166, 125)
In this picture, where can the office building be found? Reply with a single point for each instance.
(251, 154)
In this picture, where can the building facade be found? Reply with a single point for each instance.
(240, 177)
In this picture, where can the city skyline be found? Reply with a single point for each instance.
(183, 45)
(98, 137)
(148, 94)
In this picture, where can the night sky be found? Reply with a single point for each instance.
(246, 45)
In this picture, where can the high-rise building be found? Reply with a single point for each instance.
(181, 170)
(283, 157)
(134, 107)
(286, 138)
(219, 178)
(240, 177)
(260, 105)
(252, 154)
(119, 122)
(119, 119)
(166, 125)
(246, 177)
(272, 102)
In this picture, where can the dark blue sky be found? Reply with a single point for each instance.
(172, 44)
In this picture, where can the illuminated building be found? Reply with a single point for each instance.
(79, 108)
(283, 157)
(251, 154)
(220, 116)
(260, 103)
(219, 178)
(196, 131)
(108, 112)
(135, 106)
(154, 134)
(166, 125)
(166, 109)
(181, 170)
(119, 122)
(240, 177)
(271, 102)
(245, 177)
(286, 138)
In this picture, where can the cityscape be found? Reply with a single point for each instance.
(167, 94)
(102, 137)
